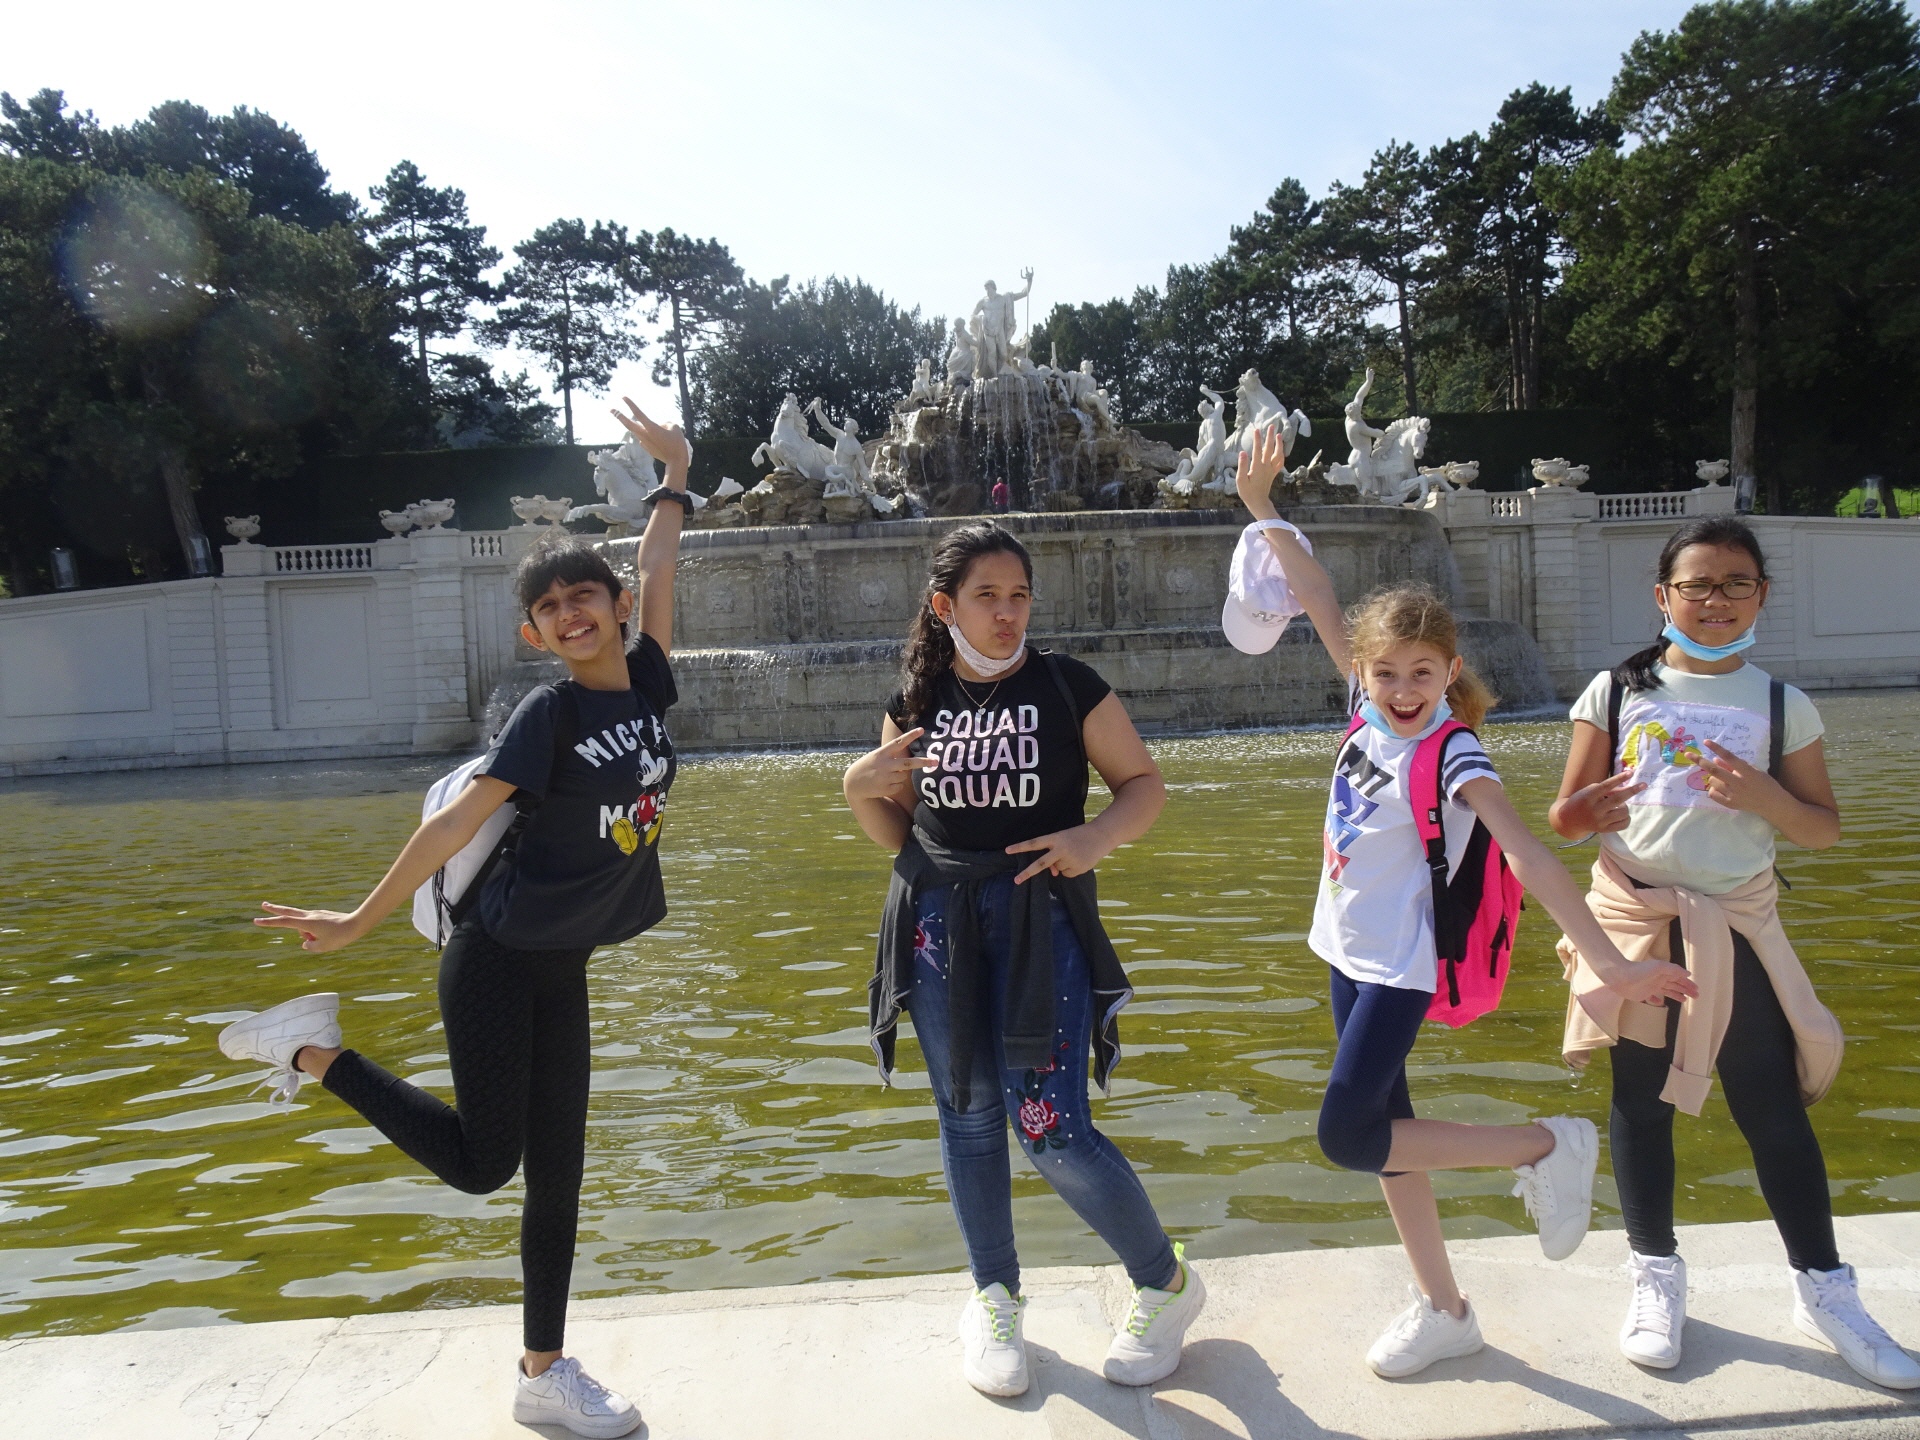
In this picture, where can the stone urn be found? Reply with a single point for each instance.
(557, 510)
(531, 509)
(1711, 472)
(431, 514)
(243, 528)
(397, 522)
(1550, 472)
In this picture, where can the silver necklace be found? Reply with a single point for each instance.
(978, 705)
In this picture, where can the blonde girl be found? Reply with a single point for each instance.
(1373, 925)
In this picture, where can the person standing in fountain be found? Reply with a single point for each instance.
(591, 752)
(991, 938)
(1685, 760)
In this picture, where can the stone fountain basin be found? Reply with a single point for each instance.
(791, 636)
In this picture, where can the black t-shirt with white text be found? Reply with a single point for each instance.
(1011, 766)
(587, 870)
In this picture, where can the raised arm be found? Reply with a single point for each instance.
(1306, 577)
(660, 542)
(441, 836)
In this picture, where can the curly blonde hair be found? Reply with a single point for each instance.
(1416, 615)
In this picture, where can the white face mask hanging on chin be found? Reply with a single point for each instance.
(985, 666)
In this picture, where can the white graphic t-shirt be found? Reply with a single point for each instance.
(1678, 834)
(1373, 920)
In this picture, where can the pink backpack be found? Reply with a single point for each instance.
(1476, 913)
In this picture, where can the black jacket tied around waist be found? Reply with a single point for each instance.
(1028, 1028)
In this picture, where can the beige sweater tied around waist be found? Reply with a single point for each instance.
(1638, 922)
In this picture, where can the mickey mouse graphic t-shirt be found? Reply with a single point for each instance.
(1011, 766)
(587, 871)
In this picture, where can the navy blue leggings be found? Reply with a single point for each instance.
(1376, 1026)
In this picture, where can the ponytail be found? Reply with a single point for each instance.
(1469, 698)
(1636, 672)
(929, 649)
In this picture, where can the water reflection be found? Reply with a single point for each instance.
(737, 1136)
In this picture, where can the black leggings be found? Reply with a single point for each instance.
(1762, 1086)
(517, 1042)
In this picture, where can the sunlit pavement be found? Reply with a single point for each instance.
(1277, 1354)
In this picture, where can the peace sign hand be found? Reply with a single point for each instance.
(1601, 808)
(665, 443)
(1735, 783)
(886, 772)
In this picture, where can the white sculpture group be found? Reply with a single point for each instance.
(1207, 469)
(842, 470)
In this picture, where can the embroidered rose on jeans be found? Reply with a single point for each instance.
(1039, 1121)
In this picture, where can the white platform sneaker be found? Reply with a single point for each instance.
(995, 1361)
(1657, 1311)
(563, 1394)
(1420, 1335)
(1826, 1306)
(1147, 1346)
(275, 1036)
(1558, 1188)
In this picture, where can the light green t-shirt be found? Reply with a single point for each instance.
(1678, 834)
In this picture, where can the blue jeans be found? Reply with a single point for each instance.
(1048, 1108)
(1375, 1026)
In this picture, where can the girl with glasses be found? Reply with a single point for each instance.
(1686, 759)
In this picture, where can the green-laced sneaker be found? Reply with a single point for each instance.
(996, 1356)
(1147, 1347)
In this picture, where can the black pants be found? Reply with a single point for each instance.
(1762, 1086)
(517, 1042)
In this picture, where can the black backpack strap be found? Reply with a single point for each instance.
(1052, 662)
(1776, 724)
(1616, 693)
(566, 732)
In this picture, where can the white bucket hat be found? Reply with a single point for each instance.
(1259, 600)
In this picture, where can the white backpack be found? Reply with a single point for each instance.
(437, 905)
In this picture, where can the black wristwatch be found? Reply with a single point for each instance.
(663, 492)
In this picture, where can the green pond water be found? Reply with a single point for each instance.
(737, 1134)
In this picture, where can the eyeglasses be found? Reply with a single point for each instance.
(1740, 587)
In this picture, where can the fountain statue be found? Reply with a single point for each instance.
(625, 476)
(1079, 390)
(791, 447)
(961, 355)
(1203, 479)
(1383, 464)
(996, 321)
(925, 391)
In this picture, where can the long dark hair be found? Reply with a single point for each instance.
(1636, 671)
(929, 648)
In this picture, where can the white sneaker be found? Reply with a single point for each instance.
(1657, 1311)
(1420, 1335)
(1826, 1306)
(277, 1035)
(1147, 1347)
(1558, 1188)
(563, 1394)
(996, 1356)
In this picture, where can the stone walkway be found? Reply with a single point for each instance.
(1277, 1355)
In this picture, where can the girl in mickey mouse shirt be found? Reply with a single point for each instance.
(589, 762)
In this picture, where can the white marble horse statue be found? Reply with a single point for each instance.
(790, 447)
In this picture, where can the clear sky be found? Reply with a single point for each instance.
(925, 148)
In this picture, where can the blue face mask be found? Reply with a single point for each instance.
(1371, 713)
(1708, 652)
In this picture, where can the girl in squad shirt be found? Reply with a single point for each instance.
(1373, 925)
(992, 938)
(592, 753)
(1670, 765)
